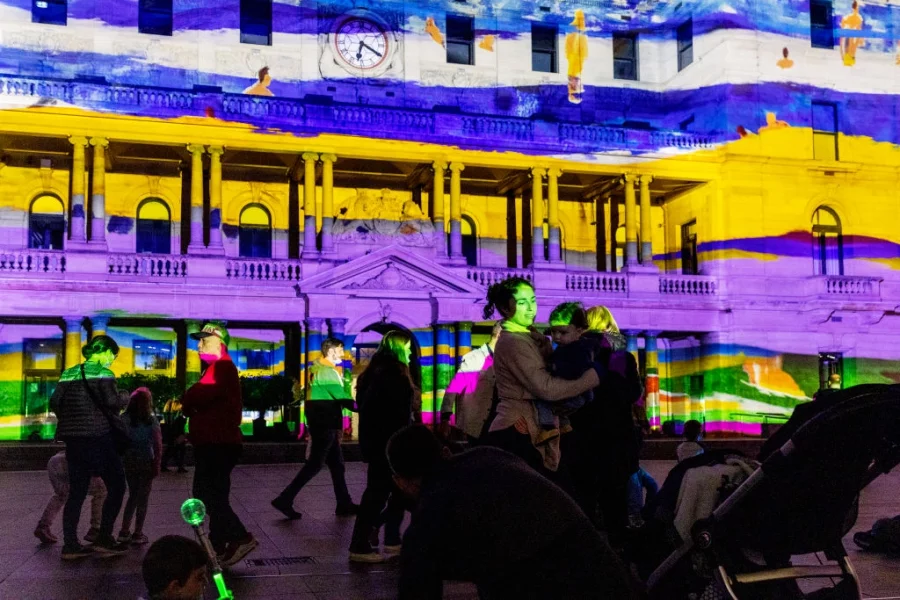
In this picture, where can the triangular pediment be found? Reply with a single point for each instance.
(391, 269)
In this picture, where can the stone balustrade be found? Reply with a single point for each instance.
(32, 262)
(843, 285)
(263, 270)
(488, 276)
(689, 285)
(597, 283)
(147, 265)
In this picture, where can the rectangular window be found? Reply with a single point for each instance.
(255, 242)
(685, 36)
(625, 56)
(831, 370)
(42, 354)
(152, 355)
(821, 24)
(460, 40)
(689, 264)
(46, 232)
(256, 22)
(256, 356)
(153, 236)
(49, 12)
(544, 48)
(155, 17)
(825, 138)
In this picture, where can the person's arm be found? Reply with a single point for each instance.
(328, 384)
(526, 364)
(58, 394)
(202, 395)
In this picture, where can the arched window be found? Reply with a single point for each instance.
(154, 227)
(828, 244)
(46, 223)
(255, 232)
(469, 241)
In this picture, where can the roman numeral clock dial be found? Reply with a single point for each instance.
(361, 44)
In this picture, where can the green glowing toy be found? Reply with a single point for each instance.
(193, 511)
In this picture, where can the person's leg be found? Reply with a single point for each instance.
(113, 475)
(133, 480)
(335, 461)
(393, 519)
(204, 489)
(320, 443)
(97, 492)
(59, 481)
(614, 505)
(649, 484)
(232, 527)
(167, 456)
(180, 450)
(146, 485)
(79, 459)
(378, 489)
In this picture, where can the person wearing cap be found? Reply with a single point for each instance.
(215, 409)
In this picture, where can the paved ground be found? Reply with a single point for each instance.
(29, 571)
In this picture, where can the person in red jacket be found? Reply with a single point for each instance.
(214, 408)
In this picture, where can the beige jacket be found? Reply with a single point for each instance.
(522, 376)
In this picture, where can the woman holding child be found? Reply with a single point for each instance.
(523, 377)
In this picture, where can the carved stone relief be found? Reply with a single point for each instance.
(381, 218)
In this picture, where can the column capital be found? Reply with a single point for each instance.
(457, 167)
(464, 325)
(337, 326)
(314, 324)
(538, 171)
(73, 322)
(216, 150)
(196, 149)
(309, 156)
(554, 172)
(646, 179)
(445, 325)
(654, 333)
(629, 178)
(439, 165)
(99, 142)
(328, 157)
(78, 140)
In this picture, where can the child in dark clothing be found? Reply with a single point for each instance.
(572, 357)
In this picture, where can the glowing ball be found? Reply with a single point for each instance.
(193, 511)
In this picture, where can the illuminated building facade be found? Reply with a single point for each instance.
(722, 176)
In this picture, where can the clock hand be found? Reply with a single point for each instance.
(359, 52)
(370, 48)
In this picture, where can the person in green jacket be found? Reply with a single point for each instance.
(328, 395)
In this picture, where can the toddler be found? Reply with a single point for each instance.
(691, 446)
(58, 471)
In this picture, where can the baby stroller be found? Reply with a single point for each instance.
(802, 500)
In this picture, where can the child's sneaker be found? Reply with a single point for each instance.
(43, 534)
(366, 555)
(108, 546)
(75, 551)
(139, 539)
(124, 537)
(92, 535)
(546, 436)
(235, 551)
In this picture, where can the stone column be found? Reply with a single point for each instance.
(98, 192)
(631, 342)
(79, 227)
(537, 214)
(553, 215)
(338, 331)
(192, 365)
(463, 340)
(73, 340)
(314, 330)
(630, 223)
(444, 366)
(646, 232)
(215, 200)
(437, 200)
(327, 201)
(309, 203)
(456, 170)
(99, 324)
(196, 245)
(651, 382)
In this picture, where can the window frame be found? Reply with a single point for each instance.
(821, 234)
(58, 232)
(163, 15)
(456, 41)
(634, 60)
(552, 48)
(684, 36)
(58, 17)
(690, 265)
(833, 134)
(138, 226)
(251, 232)
(248, 19)
(821, 35)
(134, 353)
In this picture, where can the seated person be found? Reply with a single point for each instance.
(485, 516)
(175, 568)
(691, 446)
(572, 357)
(822, 401)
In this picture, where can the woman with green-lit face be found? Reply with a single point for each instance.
(521, 372)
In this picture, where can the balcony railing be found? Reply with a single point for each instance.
(146, 265)
(601, 283)
(487, 276)
(263, 269)
(843, 285)
(33, 261)
(689, 285)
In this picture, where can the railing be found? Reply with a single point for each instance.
(688, 285)
(486, 276)
(842, 285)
(33, 261)
(263, 270)
(262, 107)
(146, 265)
(603, 283)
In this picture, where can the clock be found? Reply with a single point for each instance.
(361, 43)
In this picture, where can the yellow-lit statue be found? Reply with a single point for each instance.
(849, 45)
(576, 55)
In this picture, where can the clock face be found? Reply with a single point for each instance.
(361, 43)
